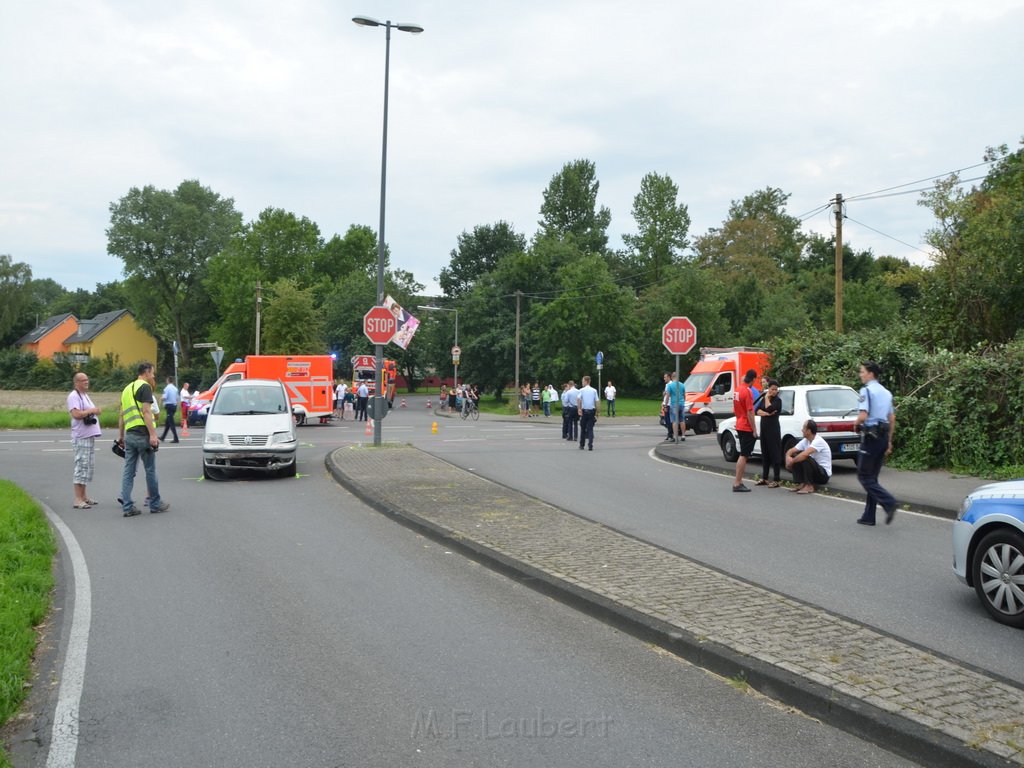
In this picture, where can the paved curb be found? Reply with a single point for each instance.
(915, 505)
(849, 712)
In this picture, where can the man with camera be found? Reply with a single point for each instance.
(137, 434)
(85, 428)
(876, 421)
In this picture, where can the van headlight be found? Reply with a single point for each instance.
(282, 438)
(213, 438)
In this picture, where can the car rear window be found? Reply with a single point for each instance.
(831, 402)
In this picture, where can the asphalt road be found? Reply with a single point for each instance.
(281, 622)
(895, 578)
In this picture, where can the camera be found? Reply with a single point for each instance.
(89, 420)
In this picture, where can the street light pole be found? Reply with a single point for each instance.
(366, 21)
(447, 309)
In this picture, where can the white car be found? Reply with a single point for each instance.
(250, 426)
(833, 408)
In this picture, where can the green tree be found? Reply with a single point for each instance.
(166, 239)
(663, 227)
(340, 256)
(15, 292)
(570, 208)
(976, 289)
(292, 325)
(478, 252)
(277, 244)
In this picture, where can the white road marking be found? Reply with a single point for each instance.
(66, 721)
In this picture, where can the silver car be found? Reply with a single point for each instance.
(988, 548)
(250, 426)
(833, 408)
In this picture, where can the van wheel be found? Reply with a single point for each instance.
(787, 442)
(728, 444)
(288, 471)
(704, 425)
(300, 419)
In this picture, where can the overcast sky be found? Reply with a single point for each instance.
(279, 104)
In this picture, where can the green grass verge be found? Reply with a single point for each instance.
(26, 578)
(624, 406)
(19, 418)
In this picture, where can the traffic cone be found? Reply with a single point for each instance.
(184, 425)
(428, 402)
(403, 403)
(433, 428)
(369, 427)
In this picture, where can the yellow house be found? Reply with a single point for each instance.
(112, 333)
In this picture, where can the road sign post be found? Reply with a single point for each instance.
(679, 336)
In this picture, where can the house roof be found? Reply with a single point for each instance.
(90, 329)
(43, 328)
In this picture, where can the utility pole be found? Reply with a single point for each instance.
(259, 306)
(519, 295)
(837, 209)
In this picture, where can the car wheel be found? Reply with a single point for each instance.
(728, 444)
(704, 425)
(300, 419)
(998, 571)
(787, 442)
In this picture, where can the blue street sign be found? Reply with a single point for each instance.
(600, 358)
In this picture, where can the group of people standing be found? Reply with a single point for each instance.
(810, 460)
(579, 413)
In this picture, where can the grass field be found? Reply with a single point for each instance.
(26, 553)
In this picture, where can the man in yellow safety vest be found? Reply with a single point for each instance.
(137, 435)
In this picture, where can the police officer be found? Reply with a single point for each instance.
(876, 422)
(588, 413)
(571, 401)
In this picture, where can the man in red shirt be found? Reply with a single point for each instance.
(746, 427)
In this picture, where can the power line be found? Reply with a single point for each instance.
(883, 234)
(911, 191)
(920, 181)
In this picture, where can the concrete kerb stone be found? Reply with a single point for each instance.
(841, 703)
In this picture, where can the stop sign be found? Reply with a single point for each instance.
(679, 335)
(379, 325)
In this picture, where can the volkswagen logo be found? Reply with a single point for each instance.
(248, 440)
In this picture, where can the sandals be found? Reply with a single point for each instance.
(762, 481)
(80, 505)
(773, 484)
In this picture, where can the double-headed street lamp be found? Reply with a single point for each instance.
(447, 309)
(366, 21)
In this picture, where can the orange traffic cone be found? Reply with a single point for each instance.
(403, 403)
(428, 402)
(184, 424)
(369, 427)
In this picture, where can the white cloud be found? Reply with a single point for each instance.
(280, 105)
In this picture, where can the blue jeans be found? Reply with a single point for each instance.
(547, 408)
(137, 447)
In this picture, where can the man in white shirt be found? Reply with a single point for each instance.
(588, 402)
(170, 399)
(609, 398)
(810, 460)
(362, 396)
(339, 399)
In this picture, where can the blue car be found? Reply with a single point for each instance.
(988, 548)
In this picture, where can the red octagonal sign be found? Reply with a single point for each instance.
(679, 335)
(379, 325)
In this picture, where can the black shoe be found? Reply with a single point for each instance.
(175, 441)
(581, 447)
(862, 521)
(889, 514)
(133, 512)
(740, 489)
(590, 448)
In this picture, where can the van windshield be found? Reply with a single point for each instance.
(698, 382)
(239, 401)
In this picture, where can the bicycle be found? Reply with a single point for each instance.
(469, 408)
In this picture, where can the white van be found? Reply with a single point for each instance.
(250, 426)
